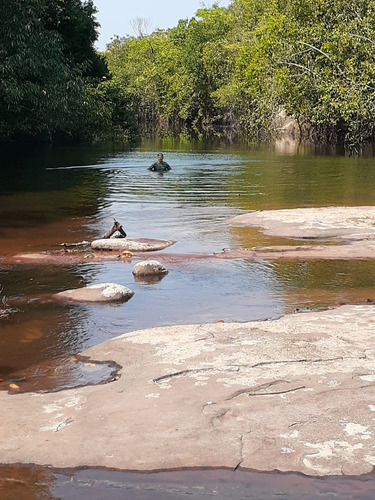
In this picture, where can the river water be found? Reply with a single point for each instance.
(50, 196)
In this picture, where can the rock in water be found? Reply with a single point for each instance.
(135, 245)
(149, 268)
(102, 292)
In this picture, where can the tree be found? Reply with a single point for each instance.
(75, 22)
(47, 65)
(257, 59)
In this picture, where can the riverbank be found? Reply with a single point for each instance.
(293, 394)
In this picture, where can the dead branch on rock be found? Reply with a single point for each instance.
(79, 244)
(5, 309)
(116, 227)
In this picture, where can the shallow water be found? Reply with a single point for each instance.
(67, 195)
(53, 196)
(38, 483)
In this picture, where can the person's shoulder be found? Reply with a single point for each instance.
(166, 165)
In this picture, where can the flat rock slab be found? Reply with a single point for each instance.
(353, 251)
(101, 292)
(352, 228)
(327, 223)
(131, 245)
(294, 394)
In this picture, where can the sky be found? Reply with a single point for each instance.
(116, 16)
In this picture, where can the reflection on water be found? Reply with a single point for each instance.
(25, 483)
(37, 483)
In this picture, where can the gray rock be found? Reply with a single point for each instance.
(102, 292)
(149, 268)
(352, 227)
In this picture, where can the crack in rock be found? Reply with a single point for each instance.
(64, 423)
(305, 360)
(210, 334)
(195, 370)
(241, 452)
(303, 422)
(219, 417)
(250, 392)
(255, 389)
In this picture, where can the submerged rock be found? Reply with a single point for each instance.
(102, 292)
(149, 268)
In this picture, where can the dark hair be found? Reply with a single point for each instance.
(160, 154)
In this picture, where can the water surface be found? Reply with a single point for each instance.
(54, 195)
(66, 195)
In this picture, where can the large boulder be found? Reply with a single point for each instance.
(102, 292)
(135, 245)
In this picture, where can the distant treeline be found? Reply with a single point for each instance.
(243, 68)
(237, 70)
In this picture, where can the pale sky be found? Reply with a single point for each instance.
(116, 16)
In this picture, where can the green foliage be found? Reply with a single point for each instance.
(166, 72)
(36, 87)
(50, 72)
(235, 68)
(244, 65)
(76, 24)
(112, 112)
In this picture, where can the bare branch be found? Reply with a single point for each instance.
(316, 48)
(363, 38)
(141, 26)
(299, 66)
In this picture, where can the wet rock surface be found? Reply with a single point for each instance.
(45, 379)
(203, 396)
(329, 233)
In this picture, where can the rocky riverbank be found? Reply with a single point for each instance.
(293, 394)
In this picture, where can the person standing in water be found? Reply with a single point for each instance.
(160, 165)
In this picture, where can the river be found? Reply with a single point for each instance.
(50, 196)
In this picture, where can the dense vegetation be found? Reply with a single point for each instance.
(248, 65)
(53, 84)
(236, 70)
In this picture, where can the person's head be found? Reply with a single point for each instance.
(160, 157)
